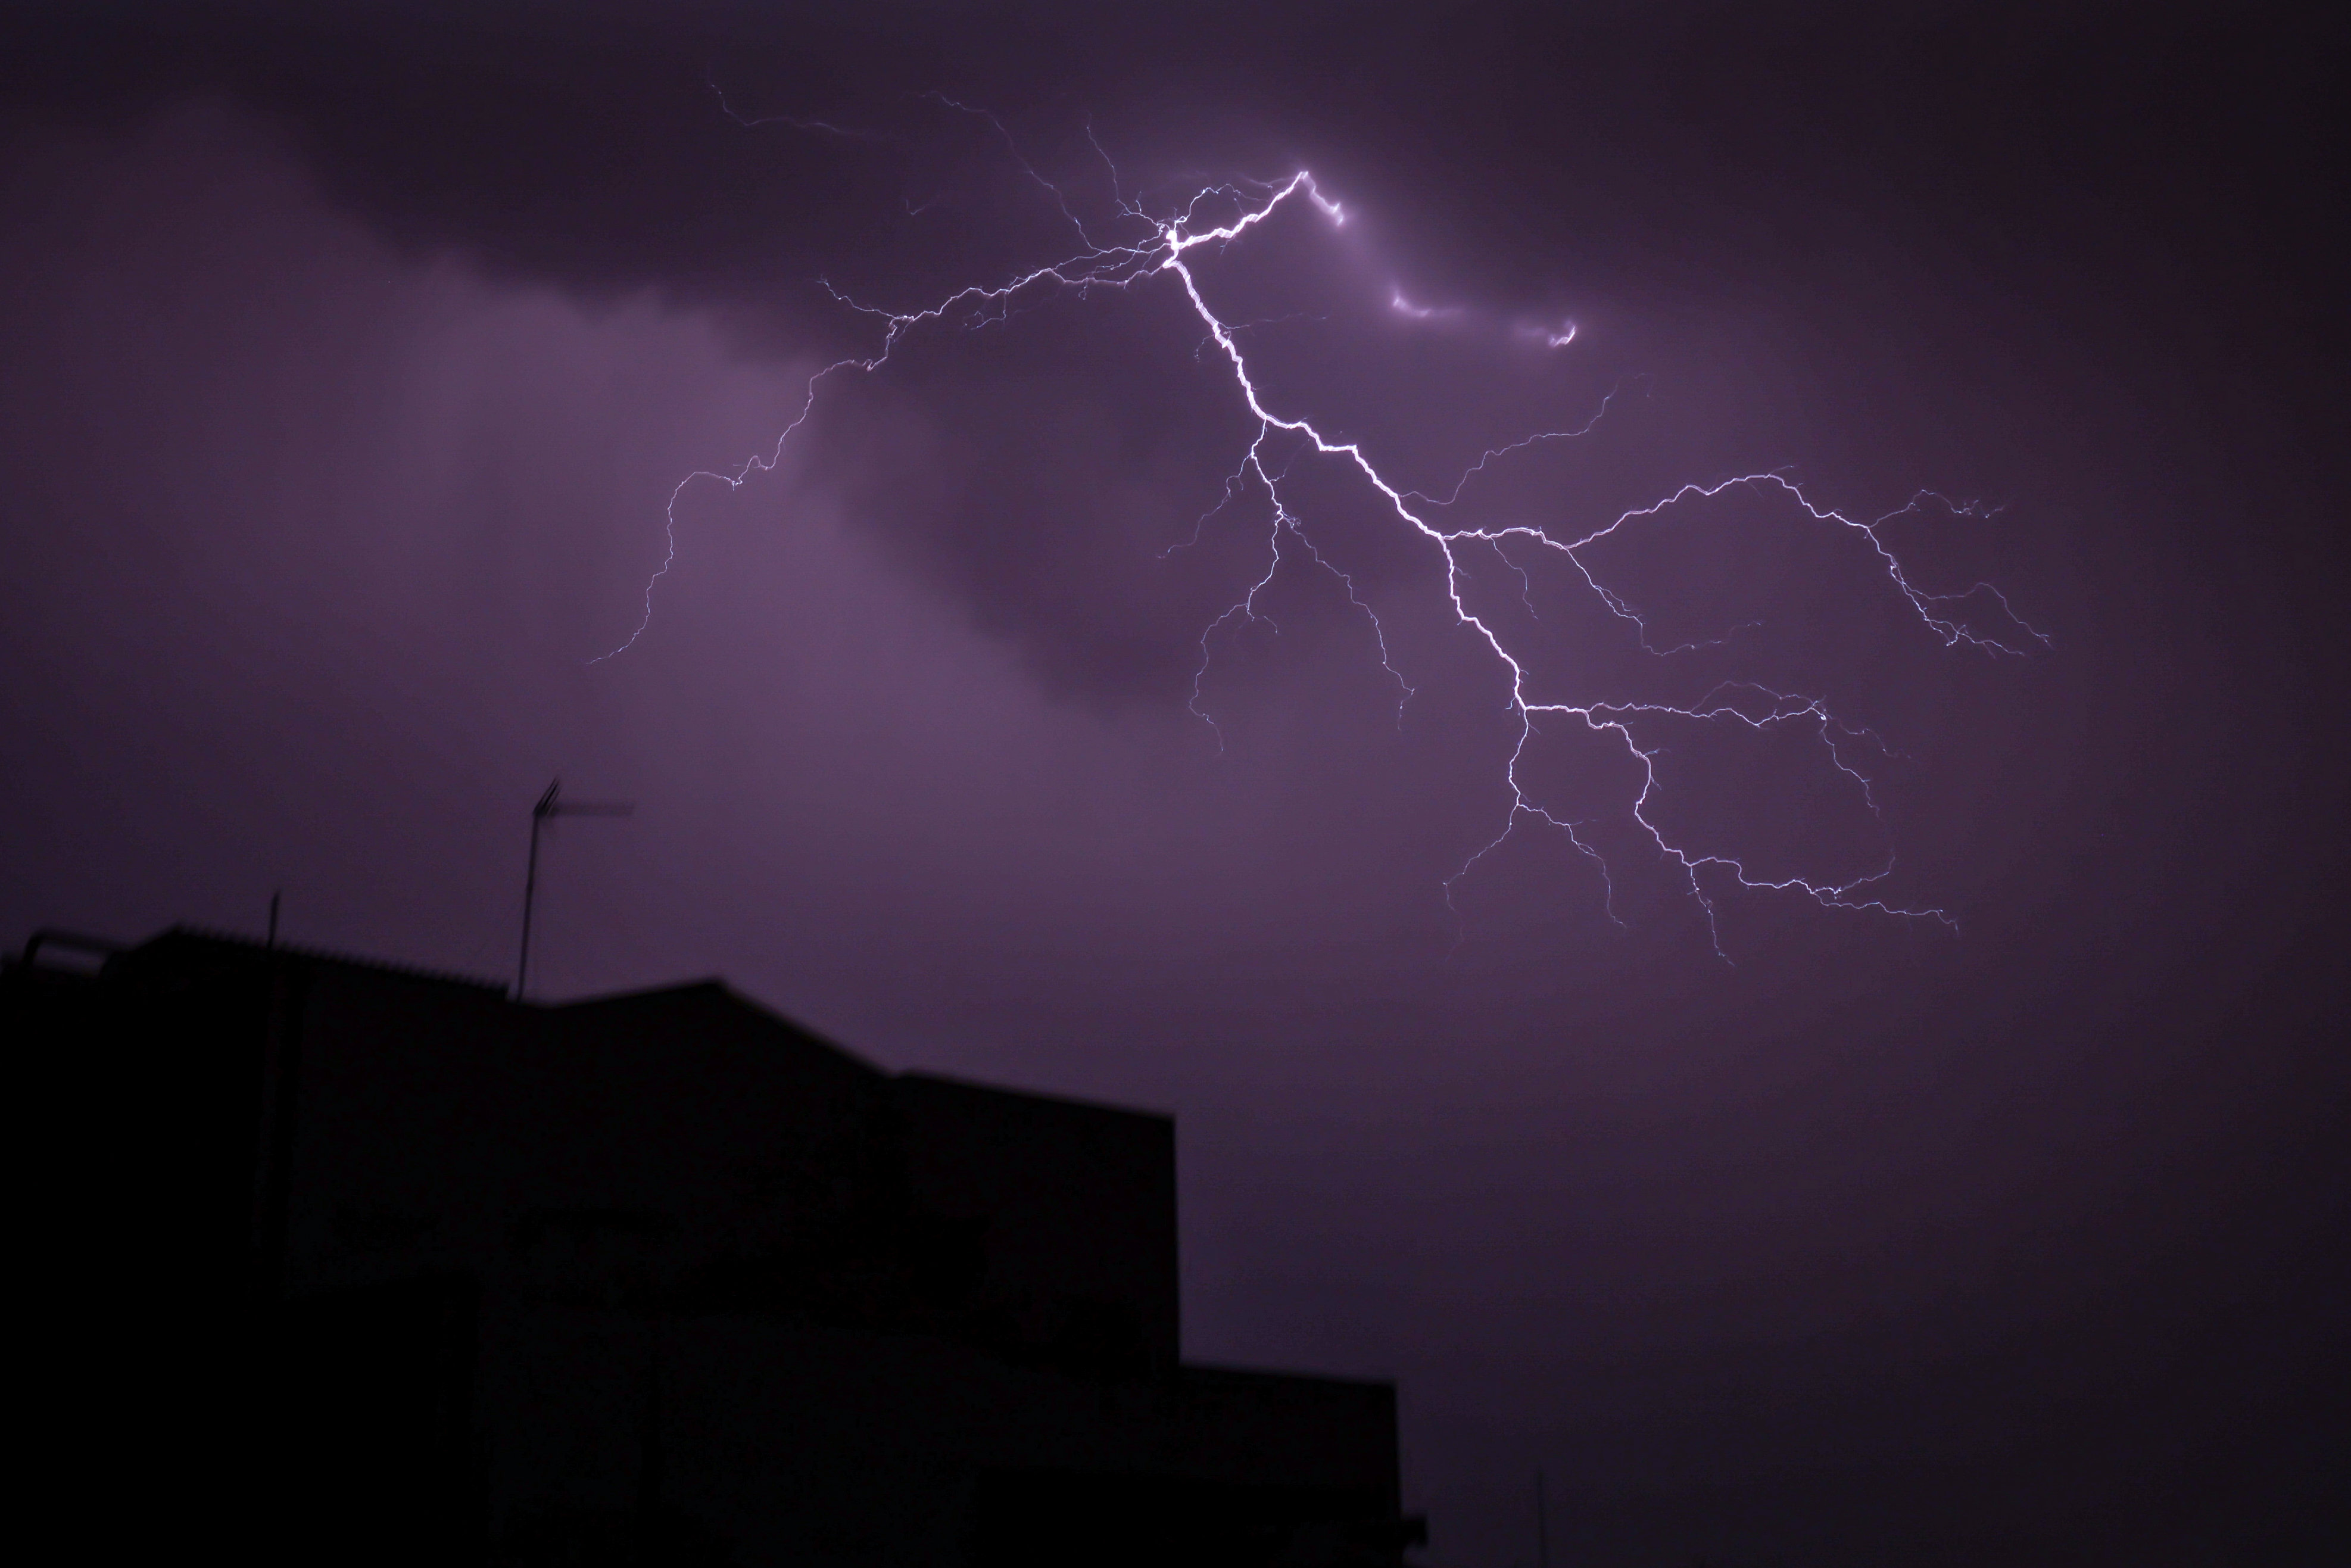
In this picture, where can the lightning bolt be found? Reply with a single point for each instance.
(1162, 246)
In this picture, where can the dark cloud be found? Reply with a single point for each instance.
(348, 365)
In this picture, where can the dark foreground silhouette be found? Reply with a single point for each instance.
(357, 1264)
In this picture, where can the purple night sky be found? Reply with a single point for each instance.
(345, 368)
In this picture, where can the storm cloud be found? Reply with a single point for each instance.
(348, 370)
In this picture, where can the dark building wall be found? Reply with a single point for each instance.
(1309, 1431)
(181, 1396)
(687, 1140)
(839, 1446)
(573, 1148)
(412, 1272)
(1076, 1211)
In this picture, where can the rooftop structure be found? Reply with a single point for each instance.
(382, 1265)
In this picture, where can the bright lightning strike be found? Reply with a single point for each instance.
(1163, 247)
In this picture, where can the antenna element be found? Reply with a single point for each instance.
(550, 806)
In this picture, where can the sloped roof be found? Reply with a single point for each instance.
(707, 997)
(229, 943)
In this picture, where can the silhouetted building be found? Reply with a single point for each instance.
(357, 1262)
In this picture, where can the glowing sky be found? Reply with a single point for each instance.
(348, 371)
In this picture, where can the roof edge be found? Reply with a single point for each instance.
(714, 985)
(319, 955)
(919, 1075)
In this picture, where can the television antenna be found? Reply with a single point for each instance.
(550, 806)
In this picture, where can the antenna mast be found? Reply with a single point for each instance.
(550, 806)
